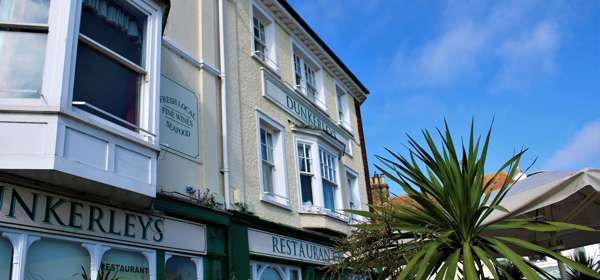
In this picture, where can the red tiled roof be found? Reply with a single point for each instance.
(405, 200)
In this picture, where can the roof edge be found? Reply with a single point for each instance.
(322, 43)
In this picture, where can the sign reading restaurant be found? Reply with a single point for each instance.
(273, 245)
(37, 210)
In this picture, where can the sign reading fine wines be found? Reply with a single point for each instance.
(179, 119)
(32, 209)
(273, 245)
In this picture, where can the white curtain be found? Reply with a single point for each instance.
(115, 15)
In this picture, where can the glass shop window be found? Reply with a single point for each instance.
(5, 258)
(120, 264)
(23, 34)
(270, 271)
(110, 66)
(51, 259)
(180, 268)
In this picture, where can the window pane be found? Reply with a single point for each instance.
(329, 195)
(116, 25)
(57, 260)
(5, 258)
(22, 64)
(298, 70)
(26, 11)
(180, 268)
(294, 274)
(271, 274)
(267, 178)
(306, 189)
(106, 84)
(118, 264)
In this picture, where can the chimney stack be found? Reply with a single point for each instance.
(380, 190)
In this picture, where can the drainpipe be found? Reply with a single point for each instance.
(224, 138)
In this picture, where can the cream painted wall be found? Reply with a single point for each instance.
(250, 100)
(192, 27)
(199, 39)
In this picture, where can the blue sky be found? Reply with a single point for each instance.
(534, 65)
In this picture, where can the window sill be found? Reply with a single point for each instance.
(270, 66)
(346, 127)
(317, 210)
(110, 127)
(322, 108)
(275, 201)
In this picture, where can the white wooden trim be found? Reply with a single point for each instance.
(185, 55)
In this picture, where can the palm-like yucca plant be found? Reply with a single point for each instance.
(442, 233)
(585, 260)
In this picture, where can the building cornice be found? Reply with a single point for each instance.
(292, 21)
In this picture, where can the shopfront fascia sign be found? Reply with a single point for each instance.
(30, 209)
(283, 247)
(303, 110)
(179, 119)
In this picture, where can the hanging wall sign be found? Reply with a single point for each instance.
(179, 119)
(279, 246)
(26, 208)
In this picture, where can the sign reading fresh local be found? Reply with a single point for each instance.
(303, 110)
(37, 210)
(273, 245)
(178, 119)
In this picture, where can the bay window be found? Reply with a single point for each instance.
(272, 178)
(23, 35)
(306, 173)
(110, 66)
(318, 184)
(329, 178)
(307, 77)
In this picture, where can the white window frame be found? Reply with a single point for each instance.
(22, 240)
(40, 28)
(313, 172)
(332, 161)
(149, 91)
(353, 190)
(299, 51)
(342, 98)
(317, 183)
(59, 71)
(286, 270)
(349, 147)
(280, 196)
(256, 10)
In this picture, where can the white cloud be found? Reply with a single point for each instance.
(502, 42)
(452, 54)
(583, 148)
(529, 57)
